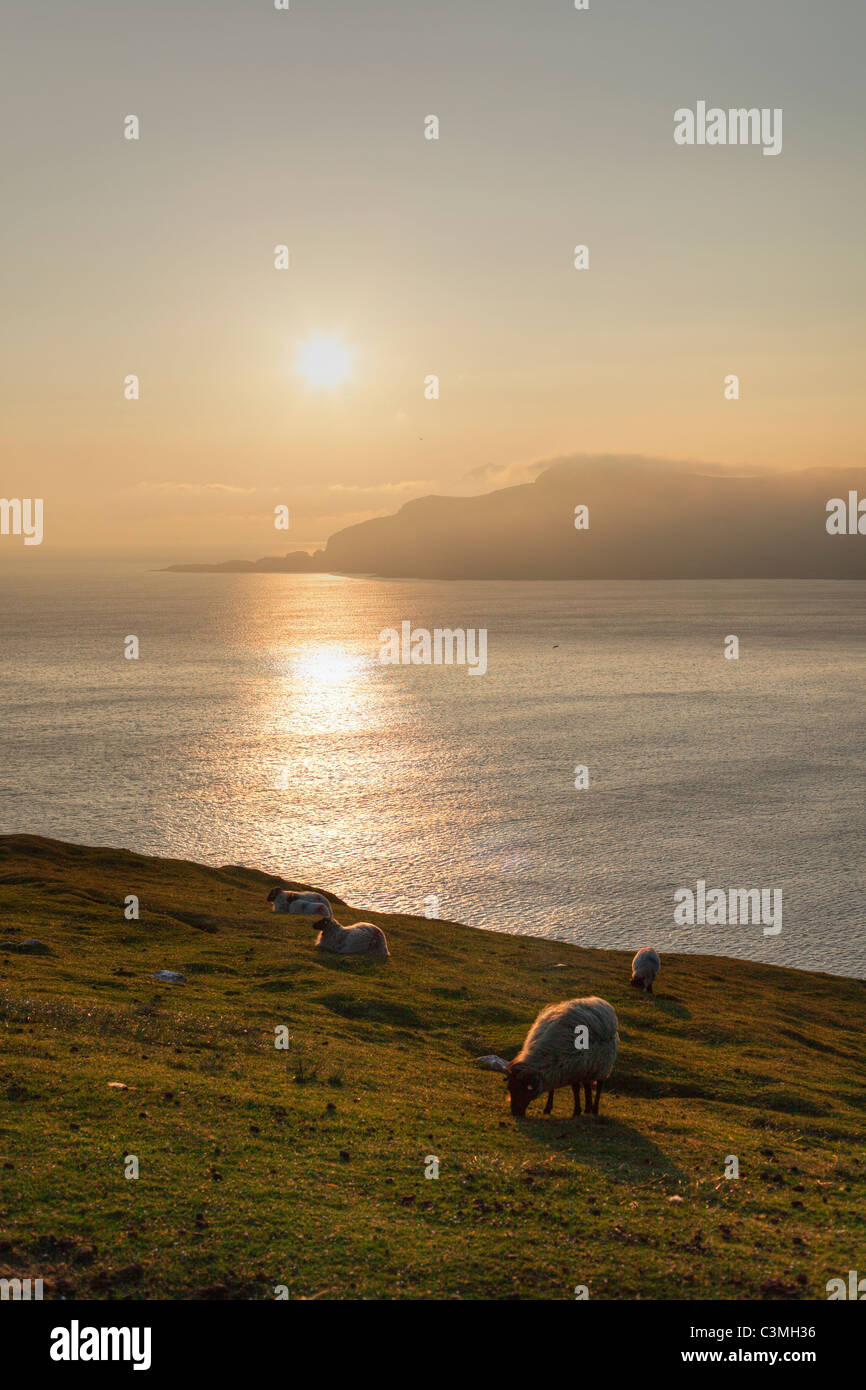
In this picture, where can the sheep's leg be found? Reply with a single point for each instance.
(598, 1086)
(587, 1096)
(549, 1106)
(649, 988)
(575, 1086)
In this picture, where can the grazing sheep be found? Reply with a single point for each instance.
(308, 904)
(361, 940)
(569, 1044)
(644, 968)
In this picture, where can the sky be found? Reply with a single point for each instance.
(417, 257)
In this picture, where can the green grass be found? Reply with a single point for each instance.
(305, 1168)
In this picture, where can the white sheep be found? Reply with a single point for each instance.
(307, 904)
(570, 1044)
(644, 968)
(363, 939)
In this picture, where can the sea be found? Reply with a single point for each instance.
(613, 754)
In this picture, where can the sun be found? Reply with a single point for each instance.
(324, 362)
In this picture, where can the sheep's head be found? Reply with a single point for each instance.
(523, 1086)
(635, 982)
(521, 1082)
(273, 894)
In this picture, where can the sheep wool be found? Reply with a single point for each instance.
(363, 939)
(549, 1051)
(644, 968)
(299, 904)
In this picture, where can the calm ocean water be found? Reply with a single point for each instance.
(407, 782)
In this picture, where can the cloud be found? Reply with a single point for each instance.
(343, 504)
(186, 489)
(408, 485)
(489, 476)
(637, 461)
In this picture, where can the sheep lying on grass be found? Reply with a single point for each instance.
(644, 968)
(569, 1044)
(308, 904)
(361, 940)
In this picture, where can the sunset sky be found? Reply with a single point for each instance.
(415, 257)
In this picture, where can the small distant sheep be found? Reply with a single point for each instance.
(363, 939)
(569, 1044)
(308, 904)
(644, 968)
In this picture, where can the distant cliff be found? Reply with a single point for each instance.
(296, 562)
(642, 520)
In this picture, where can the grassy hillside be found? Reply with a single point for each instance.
(305, 1168)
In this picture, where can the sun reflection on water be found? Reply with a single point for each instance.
(329, 689)
(326, 663)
